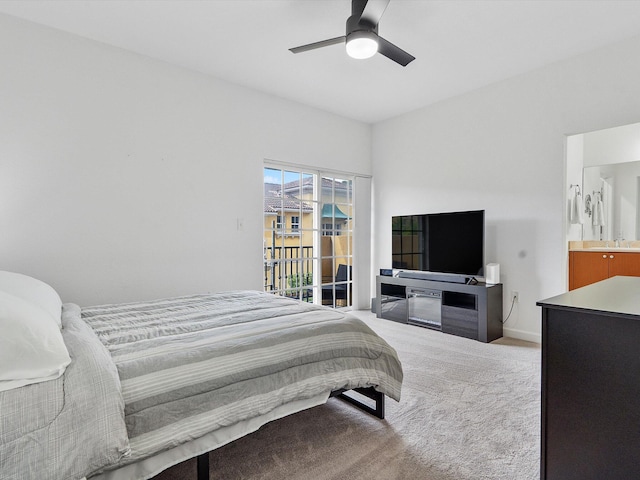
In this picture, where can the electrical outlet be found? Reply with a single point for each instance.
(515, 296)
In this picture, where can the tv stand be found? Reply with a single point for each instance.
(467, 310)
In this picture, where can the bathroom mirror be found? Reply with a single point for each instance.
(610, 197)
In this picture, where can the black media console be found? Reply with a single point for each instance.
(471, 311)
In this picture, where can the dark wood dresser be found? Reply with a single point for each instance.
(591, 382)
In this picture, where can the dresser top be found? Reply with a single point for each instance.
(616, 295)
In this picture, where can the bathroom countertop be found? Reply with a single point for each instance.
(606, 249)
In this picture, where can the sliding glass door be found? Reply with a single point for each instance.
(308, 231)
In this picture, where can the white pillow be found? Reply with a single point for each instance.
(31, 346)
(33, 291)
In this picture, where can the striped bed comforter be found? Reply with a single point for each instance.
(193, 364)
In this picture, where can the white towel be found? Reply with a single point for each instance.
(598, 213)
(576, 209)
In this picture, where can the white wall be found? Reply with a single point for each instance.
(121, 177)
(502, 148)
(575, 154)
(612, 145)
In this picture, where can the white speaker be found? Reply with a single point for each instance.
(492, 273)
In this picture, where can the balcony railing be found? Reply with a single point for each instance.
(289, 271)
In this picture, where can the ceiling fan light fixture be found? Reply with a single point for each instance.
(362, 44)
(361, 35)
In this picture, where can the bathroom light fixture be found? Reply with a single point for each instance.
(362, 44)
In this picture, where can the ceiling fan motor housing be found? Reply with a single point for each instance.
(356, 23)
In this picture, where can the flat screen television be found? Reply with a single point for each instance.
(451, 242)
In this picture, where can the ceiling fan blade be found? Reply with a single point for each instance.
(313, 46)
(394, 53)
(373, 11)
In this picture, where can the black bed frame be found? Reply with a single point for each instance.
(370, 392)
(377, 411)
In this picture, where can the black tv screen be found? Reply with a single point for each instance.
(451, 242)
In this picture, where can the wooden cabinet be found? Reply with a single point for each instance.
(624, 263)
(587, 267)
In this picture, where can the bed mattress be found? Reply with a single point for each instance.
(196, 364)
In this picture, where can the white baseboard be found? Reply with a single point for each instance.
(522, 335)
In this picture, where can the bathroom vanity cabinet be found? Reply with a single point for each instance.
(590, 266)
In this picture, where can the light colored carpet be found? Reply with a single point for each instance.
(469, 411)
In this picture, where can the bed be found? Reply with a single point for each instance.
(147, 385)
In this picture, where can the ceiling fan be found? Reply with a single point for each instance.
(362, 39)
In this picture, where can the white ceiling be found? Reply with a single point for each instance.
(459, 45)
